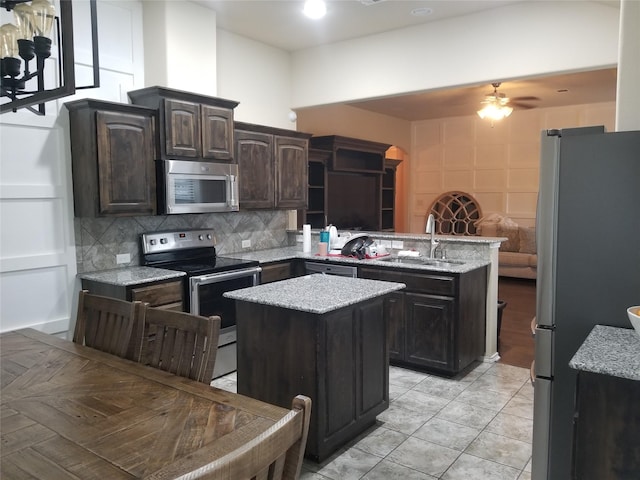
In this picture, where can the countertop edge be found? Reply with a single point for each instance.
(127, 276)
(610, 351)
(321, 293)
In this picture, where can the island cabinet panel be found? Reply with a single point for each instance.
(373, 391)
(606, 428)
(107, 141)
(339, 359)
(341, 380)
(394, 313)
(438, 322)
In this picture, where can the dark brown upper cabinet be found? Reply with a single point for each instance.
(192, 126)
(272, 167)
(113, 153)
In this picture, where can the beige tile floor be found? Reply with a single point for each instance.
(475, 426)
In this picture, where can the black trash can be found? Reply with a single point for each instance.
(501, 307)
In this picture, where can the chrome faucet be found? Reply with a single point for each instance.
(431, 229)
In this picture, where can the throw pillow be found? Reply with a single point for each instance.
(513, 239)
(527, 239)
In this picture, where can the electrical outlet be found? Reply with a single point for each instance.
(123, 258)
(246, 243)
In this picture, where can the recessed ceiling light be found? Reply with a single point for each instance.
(421, 12)
(315, 9)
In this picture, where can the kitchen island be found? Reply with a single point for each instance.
(607, 417)
(322, 336)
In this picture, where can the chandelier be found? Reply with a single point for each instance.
(31, 38)
(495, 106)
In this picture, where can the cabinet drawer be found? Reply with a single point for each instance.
(420, 282)
(159, 294)
(275, 272)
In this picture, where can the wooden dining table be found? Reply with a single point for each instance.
(69, 411)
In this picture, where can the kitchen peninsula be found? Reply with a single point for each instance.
(322, 336)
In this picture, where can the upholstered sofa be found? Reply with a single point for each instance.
(517, 255)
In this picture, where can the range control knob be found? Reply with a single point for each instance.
(200, 237)
(163, 240)
(208, 236)
(152, 241)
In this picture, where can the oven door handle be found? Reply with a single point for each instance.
(223, 276)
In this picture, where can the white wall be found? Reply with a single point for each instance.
(256, 75)
(37, 252)
(180, 46)
(520, 40)
(498, 165)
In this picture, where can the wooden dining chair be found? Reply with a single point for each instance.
(180, 343)
(106, 324)
(274, 455)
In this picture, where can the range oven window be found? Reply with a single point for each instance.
(211, 301)
(198, 190)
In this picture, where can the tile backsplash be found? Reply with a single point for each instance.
(99, 240)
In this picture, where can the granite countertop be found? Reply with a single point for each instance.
(127, 276)
(290, 253)
(420, 236)
(610, 351)
(131, 275)
(315, 293)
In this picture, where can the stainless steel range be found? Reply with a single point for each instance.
(208, 277)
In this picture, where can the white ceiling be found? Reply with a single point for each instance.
(280, 23)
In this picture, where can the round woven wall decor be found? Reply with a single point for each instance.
(455, 213)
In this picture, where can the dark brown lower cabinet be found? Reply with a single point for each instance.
(276, 271)
(607, 428)
(438, 322)
(339, 359)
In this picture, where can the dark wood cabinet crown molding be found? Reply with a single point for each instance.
(152, 96)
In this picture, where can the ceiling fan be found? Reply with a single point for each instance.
(516, 102)
(497, 106)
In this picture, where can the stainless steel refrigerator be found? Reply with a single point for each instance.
(588, 242)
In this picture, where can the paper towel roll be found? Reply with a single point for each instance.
(306, 238)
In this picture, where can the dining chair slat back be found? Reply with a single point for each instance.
(180, 343)
(276, 454)
(106, 324)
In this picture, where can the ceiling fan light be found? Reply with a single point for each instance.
(493, 111)
(495, 106)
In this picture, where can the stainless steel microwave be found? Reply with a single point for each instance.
(197, 187)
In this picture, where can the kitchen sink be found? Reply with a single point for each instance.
(435, 262)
